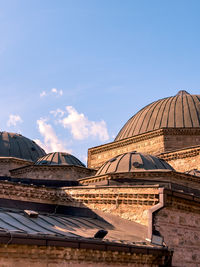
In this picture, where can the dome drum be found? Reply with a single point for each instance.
(163, 126)
(55, 166)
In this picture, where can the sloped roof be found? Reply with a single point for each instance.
(15, 221)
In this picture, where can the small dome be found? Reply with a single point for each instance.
(18, 146)
(132, 161)
(59, 158)
(179, 111)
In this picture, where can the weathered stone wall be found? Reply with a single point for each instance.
(184, 159)
(129, 203)
(181, 231)
(151, 144)
(179, 140)
(64, 173)
(41, 256)
(155, 142)
(7, 164)
(14, 191)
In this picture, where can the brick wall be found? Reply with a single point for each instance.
(41, 256)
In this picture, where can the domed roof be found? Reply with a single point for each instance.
(59, 158)
(18, 146)
(179, 111)
(132, 161)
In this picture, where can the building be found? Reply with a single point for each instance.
(137, 203)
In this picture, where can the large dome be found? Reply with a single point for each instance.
(133, 161)
(179, 111)
(18, 146)
(59, 158)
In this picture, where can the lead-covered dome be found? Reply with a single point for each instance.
(179, 111)
(132, 161)
(59, 158)
(18, 146)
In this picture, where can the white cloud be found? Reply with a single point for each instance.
(14, 120)
(43, 94)
(81, 128)
(57, 92)
(51, 142)
(58, 112)
(53, 91)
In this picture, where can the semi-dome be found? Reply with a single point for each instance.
(179, 111)
(18, 146)
(132, 161)
(59, 158)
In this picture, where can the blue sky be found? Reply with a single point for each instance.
(94, 62)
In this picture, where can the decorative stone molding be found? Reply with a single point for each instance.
(32, 193)
(125, 142)
(151, 175)
(180, 153)
(32, 168)
(15, 160)
(145, 136)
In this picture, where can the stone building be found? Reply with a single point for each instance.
(137, 203)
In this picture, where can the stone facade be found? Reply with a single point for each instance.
(129, 203)
(154, 143)
(60, 172)
(56, 256)
(179, 223)
(148, 143)
(183, 160)
(9, 163)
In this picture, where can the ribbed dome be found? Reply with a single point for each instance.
(132, 161)
(180, 111)
(18, 146)
(59, 158)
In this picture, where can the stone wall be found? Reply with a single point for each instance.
(155, 142)
(179, 224)
(6, 164)
(151, 143)
(62, 173)
(14, 191)
(42, 256)
(129, 203)
(181, 139)
(184, 159)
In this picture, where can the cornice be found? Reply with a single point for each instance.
(33, 193)
(180, 153)
(33, 168)
(142, 137)
(183, 201)
(151, 175)
(127, 141)
(16, 160)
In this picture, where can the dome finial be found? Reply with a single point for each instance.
(182, 92)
